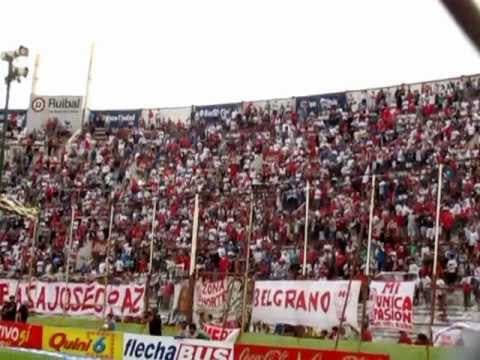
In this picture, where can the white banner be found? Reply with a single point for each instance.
(76, 299)
(447, 336)
(137, 347)
(309, 303)
(174, 114)
(67, 110)
(270, 105)
(457, 334)
(217, 297)
(391, 304)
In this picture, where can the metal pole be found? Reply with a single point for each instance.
(67, 266)
(435, 253)
(8, 81)
(367, 265)
(305, 237)
(32, 252)
(35, 74)
(150, 264)
(247, 265)
(370, 226)
(89, 81)
(226, 307)
(193, 253)
(193, 273)
(107, 264)
(345, 303)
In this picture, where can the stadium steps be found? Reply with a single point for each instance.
(100, 135)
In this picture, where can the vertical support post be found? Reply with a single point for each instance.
(369, 245)
(345, 303)
(227, 306)
(8, 80)
(193, 253)
(67, 266)
(32, 251)
(150, 264)
(35, 74)
(192, 271)
(435, 253)
(89, 82)
(370, 227)
(107, 261)
(305, 236)
(247, 265)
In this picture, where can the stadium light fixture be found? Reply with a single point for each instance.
(13, 74)
(22, 51)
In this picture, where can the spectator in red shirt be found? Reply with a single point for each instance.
(404, 338)
(366, 335)
(224, 264)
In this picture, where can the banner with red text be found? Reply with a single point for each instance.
(391, 304)
(220, 333)
(309, 303)
(218, 298)
(254, 352)
(83, 343)
(20, 335)
(76, 299)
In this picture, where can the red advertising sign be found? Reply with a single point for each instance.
(253, 352)
(20, 335)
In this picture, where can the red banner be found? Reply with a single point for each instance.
(253, 352)
(220, 333)
(20, 335)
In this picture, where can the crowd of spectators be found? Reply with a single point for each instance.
(399, 134)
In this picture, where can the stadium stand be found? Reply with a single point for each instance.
(401, 134)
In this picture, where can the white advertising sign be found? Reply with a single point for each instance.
(67, 110)
(137, 347)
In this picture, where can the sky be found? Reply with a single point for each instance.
(179, 53)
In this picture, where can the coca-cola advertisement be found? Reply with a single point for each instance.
(254, 352)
